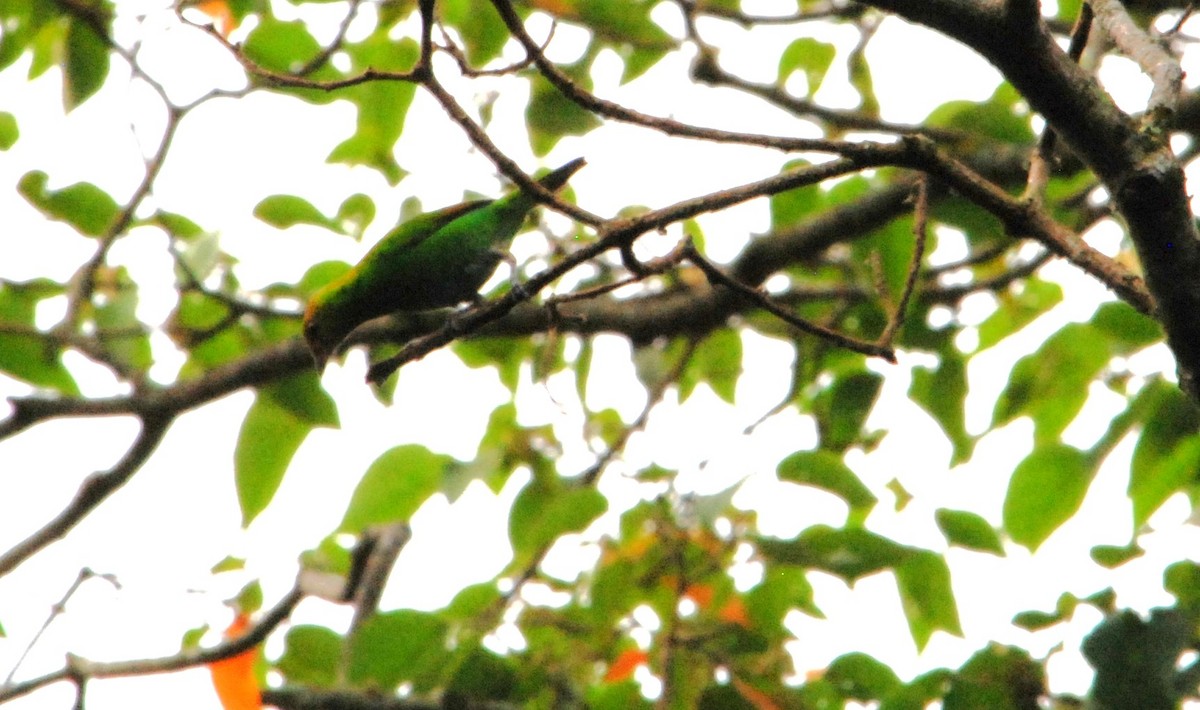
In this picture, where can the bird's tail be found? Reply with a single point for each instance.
(557, 178)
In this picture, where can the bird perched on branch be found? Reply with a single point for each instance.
(434, 260)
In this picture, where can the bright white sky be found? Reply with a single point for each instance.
(178, 517)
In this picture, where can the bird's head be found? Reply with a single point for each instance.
(321, 331)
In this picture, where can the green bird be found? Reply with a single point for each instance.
(434, 260)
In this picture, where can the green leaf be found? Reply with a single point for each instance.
(792, 206)
(355, 214)
(543, 512)
(84, 206)
(1182, 580)
(942, 392)
(1051, 385)
(1167, 454)
(550, 115)
(810, 56)
(124, 337)
(87, 58)
(782, 589)
(968, 530)
(858, 676)
(842, 409)
(1018, 308)
(927, 597)
(1110, 556)
(301, 395)
(826, 470)
(285, 211)
(1045, 490)
(311, 655)
(26, 355)
(849, 553)
(1002, 117)
(269, 438)
(1136, 660)
(482, 31)
(394, 487)
(280, 46)
(1128, 330)
(396, 647)
(717, 362)
(9, 132)
(997, 678)
(623, 22)
(382, 105)
(483, 675)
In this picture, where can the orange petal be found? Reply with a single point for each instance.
(626, 663)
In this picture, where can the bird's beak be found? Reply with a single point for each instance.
(320, 359)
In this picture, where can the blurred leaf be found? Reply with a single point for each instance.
(826, 471)
(1017, 308)
(717, 361)
(1182, 580)
(927, 597)
(382, 105)
(84, 206)
(396, 647)
(311, 655)
(125, 338)
(997, 678)
(394, 487)
(543, 512)
(482, 31)
(27, 356)
(1003, 117)
(860, 677)
(302, 395)
(550, 115)
(942, 392)
(87, 58)
(285, 211)
(843, 407)
(968, 530)
(849, 553)
(1136, 660)
(281, 46)
(1167, 454)
(1110, 556)
(1128, 330)
(810, 56)
(355, 214)
(9, 132)
(269, 438)
(1051, 384)
(1045, 490)
(483, 675)
(791, 206)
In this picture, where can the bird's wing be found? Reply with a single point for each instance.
(410, 234)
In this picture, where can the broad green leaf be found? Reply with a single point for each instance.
(483, 675)
(1110, 556)
(790, 207)
(269, 438)
(394, 487)
(285, 211)
(471, 601)
(997, 678)
(84, 206)
(1051, 385)
(842, 409)
(927, 597)
(87, 58)
(482, 31)
(382, 105)
(1002, 117)
(396, 647)
(968, 530)
(782, 589)
(550, 115)
(320, 274)
(311, 656)
(281, 46)
(849, 553)
(1017, 308)
(9, 132)
(507, 355)
(717, 362)
(860, 677)
(942, 392)
(623, 22)
(26, 356)
(124, 337)
(1182, 580)
(807, 55)
(543, 512)
(1167, 454)
(355, 214)
(826, 470)
(1128, 330)
(1045, 490)
(1136, 659)
(302, 395)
